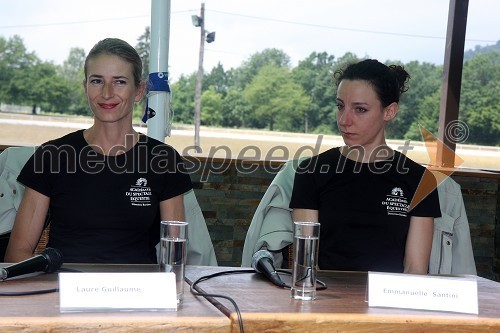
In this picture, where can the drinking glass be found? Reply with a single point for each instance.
(305, 259)
(173, 245)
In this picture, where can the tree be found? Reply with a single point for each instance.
(72, 72)
(4, 72)
(142, 47)
(277, 101)
(478, 49)
(235, 109)
(183, 98)
(480, 98)
(218, 79)
(427, 117)
(46, 88)
(315, 75)
(211, 102)
(16, 55)
(26, 80)
(72, 67)
(243, 75)
(14, 60)
(425, 80)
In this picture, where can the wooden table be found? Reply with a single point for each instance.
(340, 308)
(40, 313)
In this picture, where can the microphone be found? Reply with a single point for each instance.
(263, 262)
(48, 261)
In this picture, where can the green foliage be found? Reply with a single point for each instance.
(427, 117)
(480, 98)
(265, 91)
(218, 79)
(236, 109)
(243, 75)
(26, 80)
(468, 55)
(183, 99)
(425, 81)
(276, 99)
(211, 112)
(315, 75)
(47, 89)
(142, 47)
(138, 113)
(15, 62)
(72, 72)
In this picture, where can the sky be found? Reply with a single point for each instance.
(404, 30)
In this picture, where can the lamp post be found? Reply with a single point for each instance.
(199, 21)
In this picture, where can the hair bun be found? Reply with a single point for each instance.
(402, 77)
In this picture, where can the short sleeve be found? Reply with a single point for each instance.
(428, 206)
(305, 191)
(36, 172)
(176, 179)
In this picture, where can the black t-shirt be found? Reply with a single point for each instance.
(363, 208)
(105, 208)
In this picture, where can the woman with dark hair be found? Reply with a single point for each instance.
(362, 192)
(108, 186)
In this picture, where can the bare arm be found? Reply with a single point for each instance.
(305, 215)
(418, 245)
(28, 226)
(173, 209)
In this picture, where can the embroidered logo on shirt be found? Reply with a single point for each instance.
(141, 182)
(396, 203)
(140, 193)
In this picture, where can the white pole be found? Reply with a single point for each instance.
(159, 125)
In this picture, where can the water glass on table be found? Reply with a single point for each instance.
(173, 245)
(305, 260)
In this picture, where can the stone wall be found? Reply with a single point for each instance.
(481, 197)
(229, 192)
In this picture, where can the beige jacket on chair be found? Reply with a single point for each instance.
(12, 161)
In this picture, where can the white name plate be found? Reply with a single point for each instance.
(424, 292)
(97, 292)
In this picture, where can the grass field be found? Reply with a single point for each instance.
(228, 143)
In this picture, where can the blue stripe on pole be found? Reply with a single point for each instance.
(157, 82)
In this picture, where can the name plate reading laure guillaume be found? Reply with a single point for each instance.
(99, 292)
(423, 292)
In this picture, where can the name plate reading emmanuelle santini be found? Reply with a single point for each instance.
(94, 292)
(423, 292)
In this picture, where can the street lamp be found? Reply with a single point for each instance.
(196, 20)
(210, 37)
(199, 21)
